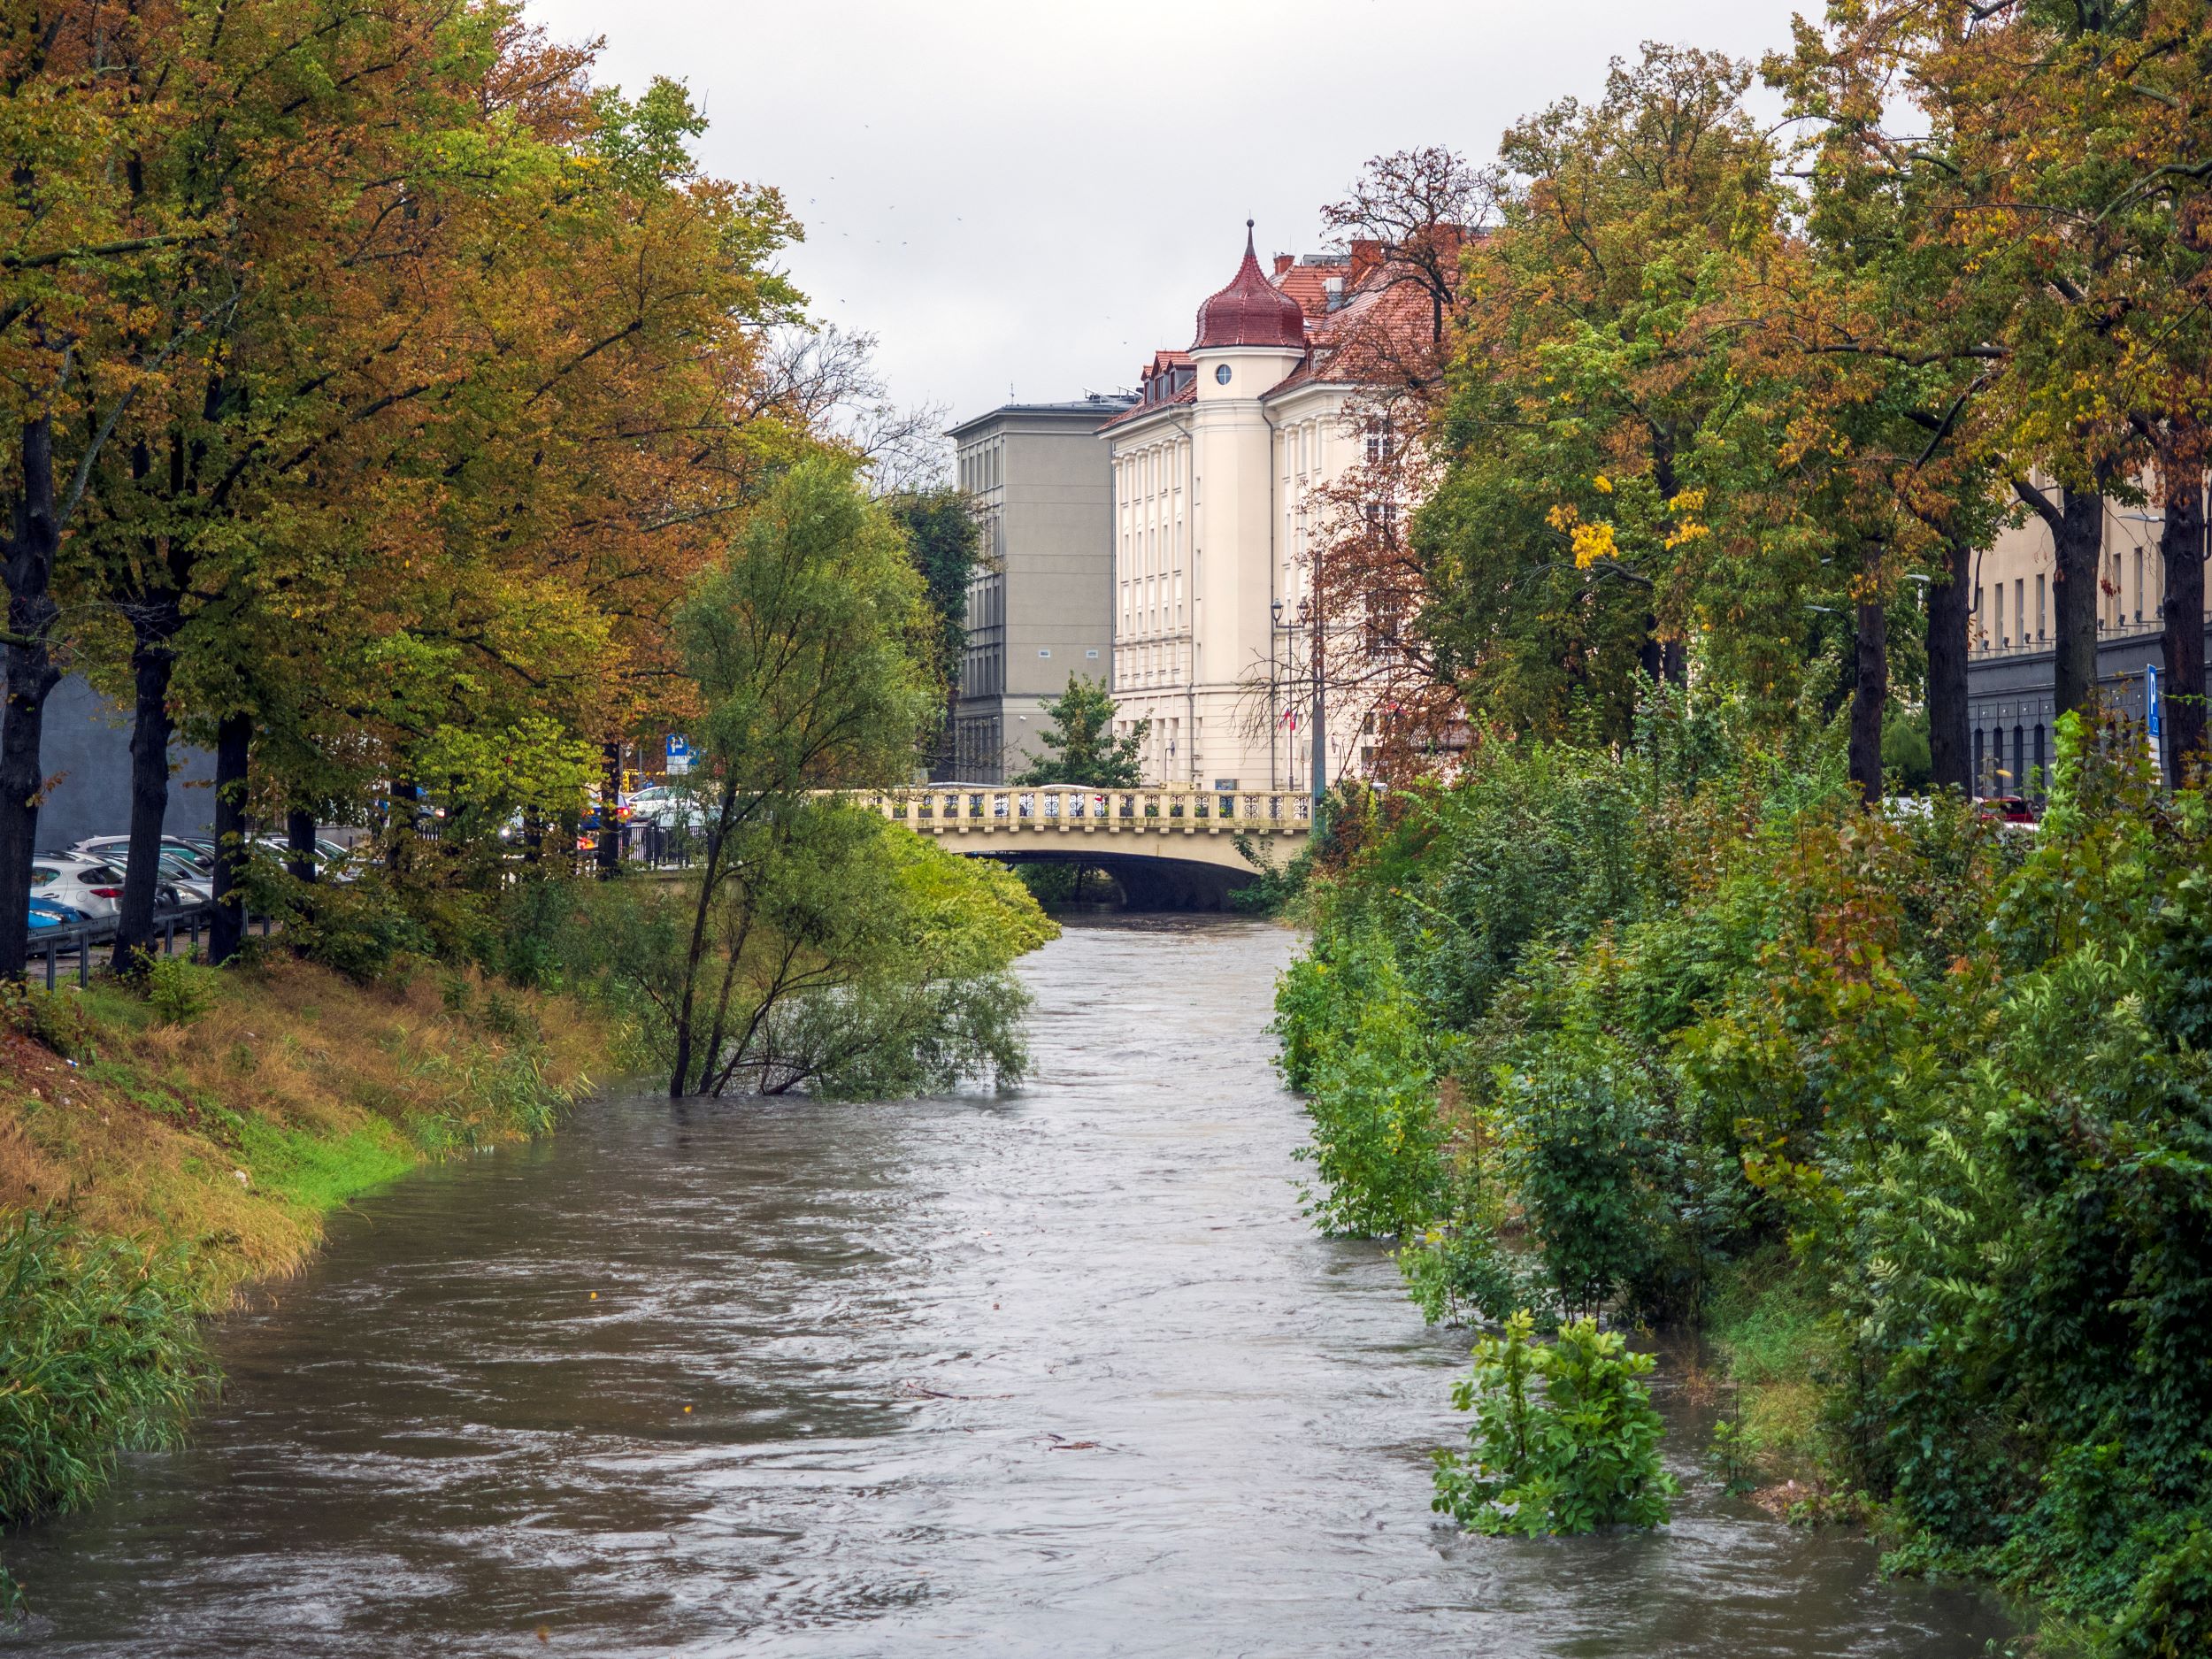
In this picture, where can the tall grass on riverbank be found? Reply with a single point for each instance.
(195, 1139)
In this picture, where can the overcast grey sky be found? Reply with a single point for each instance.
(1032, 194)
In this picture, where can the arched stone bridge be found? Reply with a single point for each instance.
(1175, 847)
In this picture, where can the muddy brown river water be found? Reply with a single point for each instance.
(1062, 1373)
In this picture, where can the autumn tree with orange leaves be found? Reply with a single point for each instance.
(376, 387)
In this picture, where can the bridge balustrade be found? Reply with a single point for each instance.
(1184, 808)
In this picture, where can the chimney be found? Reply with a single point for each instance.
(1366, 255)
(1283, 262)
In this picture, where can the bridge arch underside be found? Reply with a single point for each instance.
(1152, 881)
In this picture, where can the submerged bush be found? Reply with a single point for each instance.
(1564, 1437)
(100, 1352)
(1453, 1272)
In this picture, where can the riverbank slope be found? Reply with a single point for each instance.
(159, 1151)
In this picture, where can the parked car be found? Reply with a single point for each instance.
(332, 861)
(46, 914)
(198, 863)
(2009, 808)
(185, 879)
(82, 884)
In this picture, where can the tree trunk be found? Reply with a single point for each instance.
(2181, 549)
(406, 824)
(1870, 699)
(299, 841)
(2076, 570)
(234, 744)
(154, 622)
(2078, 542)
(610, 802)
(1950, 607)
(34, 538)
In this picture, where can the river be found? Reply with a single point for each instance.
(1062, 1373)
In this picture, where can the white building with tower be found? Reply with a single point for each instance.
(1215, 474)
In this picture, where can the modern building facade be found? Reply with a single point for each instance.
(1038, 607)
(2011, 649)
(1217, 473)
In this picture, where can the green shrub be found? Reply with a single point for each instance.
(1451, 1272)
(101, 1353)
(361, 929)
(1355, 1042)
(58, 1019)
(179, 990)
(1564, 1437)
(1734, 1455)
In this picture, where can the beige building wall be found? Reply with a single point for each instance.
(1213, 527)
(2014, 608)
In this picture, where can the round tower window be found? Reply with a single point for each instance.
(1222, 374)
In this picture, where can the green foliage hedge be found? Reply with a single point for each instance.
(1637, 1023)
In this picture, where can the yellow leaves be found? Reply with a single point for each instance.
(1592, 541)
(1602, 484)
(1686, 529)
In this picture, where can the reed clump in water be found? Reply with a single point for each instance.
(101, 1352)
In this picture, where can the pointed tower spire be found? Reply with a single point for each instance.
(1251, 311)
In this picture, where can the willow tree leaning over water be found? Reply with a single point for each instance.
(822, 945)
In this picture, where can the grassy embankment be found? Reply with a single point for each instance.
(158, 1152)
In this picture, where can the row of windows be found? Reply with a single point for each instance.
(982, 465)
(982, 670)
(1150, 493)
(2130, 591)
(1166, 664)
(1152, 604)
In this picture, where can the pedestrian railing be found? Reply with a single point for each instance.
(79, 942)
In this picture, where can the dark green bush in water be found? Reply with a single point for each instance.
(100, 1352)
(1564, 1437)
(1638, 1019)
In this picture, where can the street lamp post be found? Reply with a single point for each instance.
(1318, 745)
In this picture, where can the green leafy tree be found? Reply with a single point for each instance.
(947, 545)
(807, 648)
(1079, 744)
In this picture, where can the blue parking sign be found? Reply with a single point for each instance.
(679, 753)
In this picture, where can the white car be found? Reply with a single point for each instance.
(186, 877)
(82, 884)
(657, 804)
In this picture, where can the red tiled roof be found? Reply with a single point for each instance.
(1188, 395)
(1382, 320)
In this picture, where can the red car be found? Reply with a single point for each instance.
(2008, 809)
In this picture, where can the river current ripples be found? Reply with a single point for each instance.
(1062, 1373)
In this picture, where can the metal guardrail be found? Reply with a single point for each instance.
(932, 808)
(57, 945)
